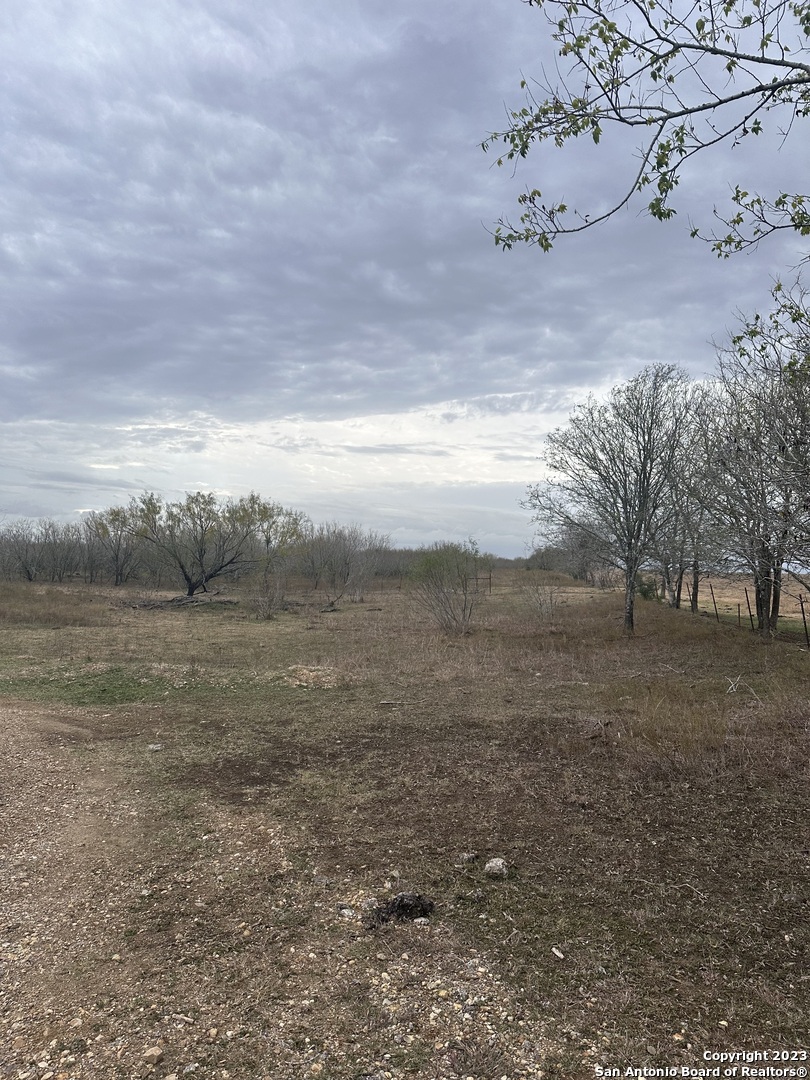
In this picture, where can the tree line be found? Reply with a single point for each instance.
(201, 539)
(687, 476)
(195, 541)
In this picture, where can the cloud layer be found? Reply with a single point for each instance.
(245, 242)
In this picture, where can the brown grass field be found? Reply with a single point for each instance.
(200, 811)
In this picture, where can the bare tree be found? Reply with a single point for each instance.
(116, 533)
(343, 558)
(686, 542)
(615, 461)
(24, 550)
(62, 553)
(757, 442)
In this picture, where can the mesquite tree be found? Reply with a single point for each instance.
(279, 532)
(444, 581)
(200, 538)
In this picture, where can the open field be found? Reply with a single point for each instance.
(732, 605)
(200, 811)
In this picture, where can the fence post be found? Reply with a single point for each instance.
(804, 620)
(716, 612)
(748, 602)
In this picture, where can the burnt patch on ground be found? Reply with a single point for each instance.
(242, 778)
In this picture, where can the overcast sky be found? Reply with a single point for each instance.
(245, 246)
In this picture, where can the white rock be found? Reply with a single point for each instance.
(496, 868)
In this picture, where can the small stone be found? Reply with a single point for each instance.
(466, 857)
(76, 1023)
(153, 1056)
(496, 868)
(153, 747)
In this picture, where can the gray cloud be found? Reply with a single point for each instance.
(395, 448)
(239, 213)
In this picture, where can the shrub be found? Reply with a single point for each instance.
(445, 582)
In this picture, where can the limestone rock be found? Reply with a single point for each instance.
(496, 868)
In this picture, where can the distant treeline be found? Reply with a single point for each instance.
(192, 542)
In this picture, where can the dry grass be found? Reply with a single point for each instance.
(23, 604)
(647, 795)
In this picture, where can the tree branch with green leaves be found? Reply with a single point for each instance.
(687, 77)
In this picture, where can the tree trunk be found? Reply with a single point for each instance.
(629, 600)
(679, 588)
(669, 586)
(776, 600)
(695, 587)
(763, 586)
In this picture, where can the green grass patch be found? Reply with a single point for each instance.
(111, 686)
